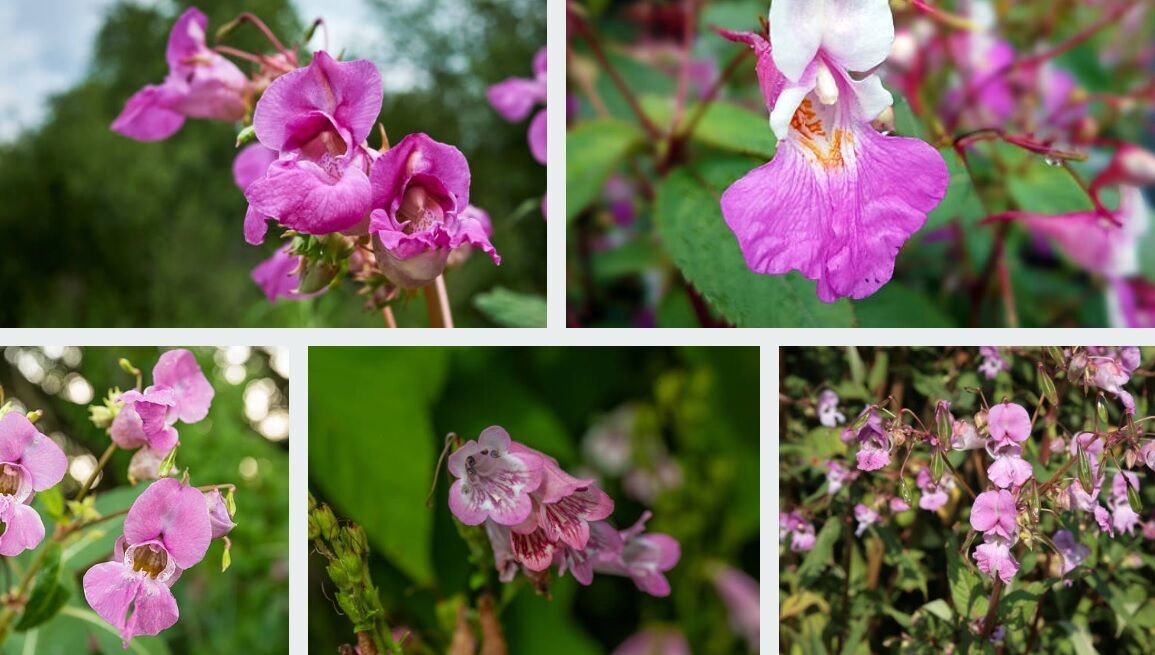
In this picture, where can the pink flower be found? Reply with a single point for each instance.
(995, 558)
(167, 530)
(992, 362)
(1147, 452)
(865, 516)
(220, 521)
(1010, 471)
(420, 194)
(1131, 303)
(828, 413)
(934, 496)
(493, 482)
(837, 475)
(1073, 552)
(994, 514)
(200, 84)
(1110, 367)
(874, 442)
(143, 420)
(655, 641)
(316, 119)
(193, 395)
(279, 276)
(29, 462)
(515, 97)
(1123, 516)
(965, 437)
(838, 200)
(1009, 422)
(740, 594)
(645, 558)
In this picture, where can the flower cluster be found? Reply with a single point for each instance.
(145, 420)
(391, 216)
(839, 199)
(798, 528)
(30, 462)
(167, 531)
(537, 515)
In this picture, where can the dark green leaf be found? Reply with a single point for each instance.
(593, 151)
(48, 595)
(511, 309)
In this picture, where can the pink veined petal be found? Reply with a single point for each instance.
(537, 137)
(1009, 421)
(110, 589)
(534, 550)
(23, 529)
(175, 515)
(251, 163)
(350, 92)
(498, 486)
(568, 519)
(148, 115)
(21, 443)
(515, 98)
(193, 393)
(308, 198)
(1010, 472)
(872, 459)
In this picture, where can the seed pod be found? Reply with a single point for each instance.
(1133, 498)
(1056, 354)
(904, 490)
(1101, 408)
(1047, 388)
(936, 467)
(1084, 471)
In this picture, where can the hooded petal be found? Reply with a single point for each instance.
(418, 159)
(21, 443)
(350, 92)
(148, 115)
(855, 34)
(187, 39)
(23, 529)
(175, 515)
(1009, 422)
(796, 33)
(219, 518)
(308, 197)
(179, 370)
(251, 163)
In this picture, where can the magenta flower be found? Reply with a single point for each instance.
(220, 520)
(200, 84)
(420, 198)
(873, 443)
(740, 594)
(167, 530)
(655, 641)
(645, 558)
(280, 275)
(493, 482)
(317, 119)
(995, 558)
(828, 413)
(994, 514)
(1008, 422)
(1131, 303)
(838, 199)
(29, 462)
(1110, 367)
(515, 98)
(934, 496)
(143, 420)
(866, 517)
(1073, 552)
(1123, 516)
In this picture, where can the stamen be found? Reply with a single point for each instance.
(826, 88)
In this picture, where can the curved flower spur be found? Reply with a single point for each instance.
(391, 219)
(839, 199)
(536, 515)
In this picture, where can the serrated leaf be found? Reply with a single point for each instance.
(593, 151)
(690, 223)
(511, 309)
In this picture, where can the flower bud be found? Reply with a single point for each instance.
(100, 416)
(981, 423)
(220, 519)
(905, 491)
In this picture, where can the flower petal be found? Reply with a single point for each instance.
(179, 370)
(305, 197)
(537, 137)
(23, 529)
(148, 115)
(21, 443)
(515, 97)
(175, 515)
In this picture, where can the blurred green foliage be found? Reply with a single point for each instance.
(378, 418)
(242, 610)
(112, 232)
(904, 582)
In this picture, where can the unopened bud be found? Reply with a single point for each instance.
(34, 415)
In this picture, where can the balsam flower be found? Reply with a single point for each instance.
(1008, 423)
(934, 496)
(167, 530)
(200, 84)
(992, 362)
(317, 119)
(220, 520)
(994, 514)
(837, 475)
(515, 98)
(279, 276)
(995, 558)
(828, 413)
(1123, 516)
(838, 200)
(800, 531)
(29, 462)
(1072, 551)
(493, 482)
(420, 200)
(740, 593)
(866, 517)
(874, 442)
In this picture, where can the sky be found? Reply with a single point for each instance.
(43, 55)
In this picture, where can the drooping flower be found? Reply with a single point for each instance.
(220, 520)
(317, 119)
(800, 531)
(1072, 551)
(837, 475)
(1131, 303)
(1107, 368)
(515, 98)
(838, 200)
(828, 413)
(142, 420)
(193, 394)
(493, 481)
(655, 641)
(740, 593)
(994, 513)
(29, 462)
(645, 558)
(1123, 516)
(874, 442)
(1008, 422)
(995, 558)
(167, 531)
(200, 84)
(934, 496)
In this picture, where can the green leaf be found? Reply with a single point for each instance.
(966, 588)
(593, 151)
(356, 417)
(511, 309)
(48, 595)
(821, 556)
(897, 305)
(940, 609)
(689, 221)
(79, 630)
(1040, 188)
(724, 125)
(1080, 638)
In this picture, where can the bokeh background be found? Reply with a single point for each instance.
(106, 231)
(244, 441)
(377, 421)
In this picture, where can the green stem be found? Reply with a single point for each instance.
(99, 467)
